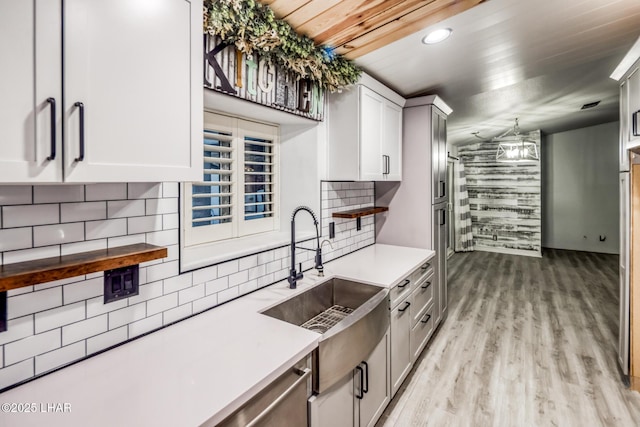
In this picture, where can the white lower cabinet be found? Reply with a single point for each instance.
(412, 320)
(359, 398)
(400, 349)
(371, 385)
(421, 332)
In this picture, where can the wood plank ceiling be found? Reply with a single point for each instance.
(357, 27)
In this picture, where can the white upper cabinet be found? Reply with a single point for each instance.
(365, 135)
(30, 102)
(372, 109)
(132, 108)
(392, 141)
(627, 73)
(624, 126)
(633, 102)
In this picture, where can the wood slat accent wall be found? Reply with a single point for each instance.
(504, 200)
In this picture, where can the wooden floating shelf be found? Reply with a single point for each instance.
(357, 213)
(21, 274)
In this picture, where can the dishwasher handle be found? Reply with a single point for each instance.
(304, 375)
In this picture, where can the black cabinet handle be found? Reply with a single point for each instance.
(443, 218)
(406, 282)
(426, 319)
(634, 120)
(406, 305)
(426, 266)
(443, 189)
(80, 105)
(386, 168)
(52, 104)
(361, 382)
(426, 286)
(365, 388)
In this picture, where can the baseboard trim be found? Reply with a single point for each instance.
(509, 251)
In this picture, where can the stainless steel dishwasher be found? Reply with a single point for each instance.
(282, 403)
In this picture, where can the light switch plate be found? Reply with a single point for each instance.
(121, 283)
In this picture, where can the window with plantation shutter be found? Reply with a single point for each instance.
(238, 193)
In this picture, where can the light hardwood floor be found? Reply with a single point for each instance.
(528, 342)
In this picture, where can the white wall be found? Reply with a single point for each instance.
(580, 189)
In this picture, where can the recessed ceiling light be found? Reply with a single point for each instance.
(437, 36)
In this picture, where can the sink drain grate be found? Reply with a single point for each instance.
(327, 319)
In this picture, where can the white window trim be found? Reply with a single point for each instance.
(201, 247)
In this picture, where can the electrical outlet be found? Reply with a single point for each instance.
(121, 283)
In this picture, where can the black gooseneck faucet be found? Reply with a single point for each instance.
(294, 275)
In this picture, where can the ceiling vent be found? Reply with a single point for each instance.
(590, 105)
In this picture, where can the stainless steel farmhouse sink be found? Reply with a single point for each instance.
(352, 318)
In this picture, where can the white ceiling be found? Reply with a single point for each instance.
(538, 60)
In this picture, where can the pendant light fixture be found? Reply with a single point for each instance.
(515, 147)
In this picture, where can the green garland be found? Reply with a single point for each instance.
(253, 28)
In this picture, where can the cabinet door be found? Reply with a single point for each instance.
(442, 153)
(378, 391)
(392, 141)
(30, 42)
(334, 407)
(135, 67)
(442, 262)
(400, 347)
(439, 153)
(623, 336)
(371, 131)
(435, 156)
(624, 126)
(437, 263)
(633, 84)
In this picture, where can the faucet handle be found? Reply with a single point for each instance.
(326, 241)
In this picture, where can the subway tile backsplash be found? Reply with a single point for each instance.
(57, 323)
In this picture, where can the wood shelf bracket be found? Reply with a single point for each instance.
(357, 214)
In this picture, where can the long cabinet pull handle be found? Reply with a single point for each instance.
(366, 377)
(261, 418)
(406, 282)
(52, 105)
(80, 105)
(443, 188)
(426, 286)
(406, 305)
(426, 319)
(361, 382)
(444, 217)
(634, 120)
(388, 165)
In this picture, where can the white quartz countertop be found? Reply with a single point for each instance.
(201, 369)
(382, 265)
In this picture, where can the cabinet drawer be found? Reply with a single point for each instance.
(421, 333)
(409, 283)
(420, 273)
(399, 292)
(421, 297)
